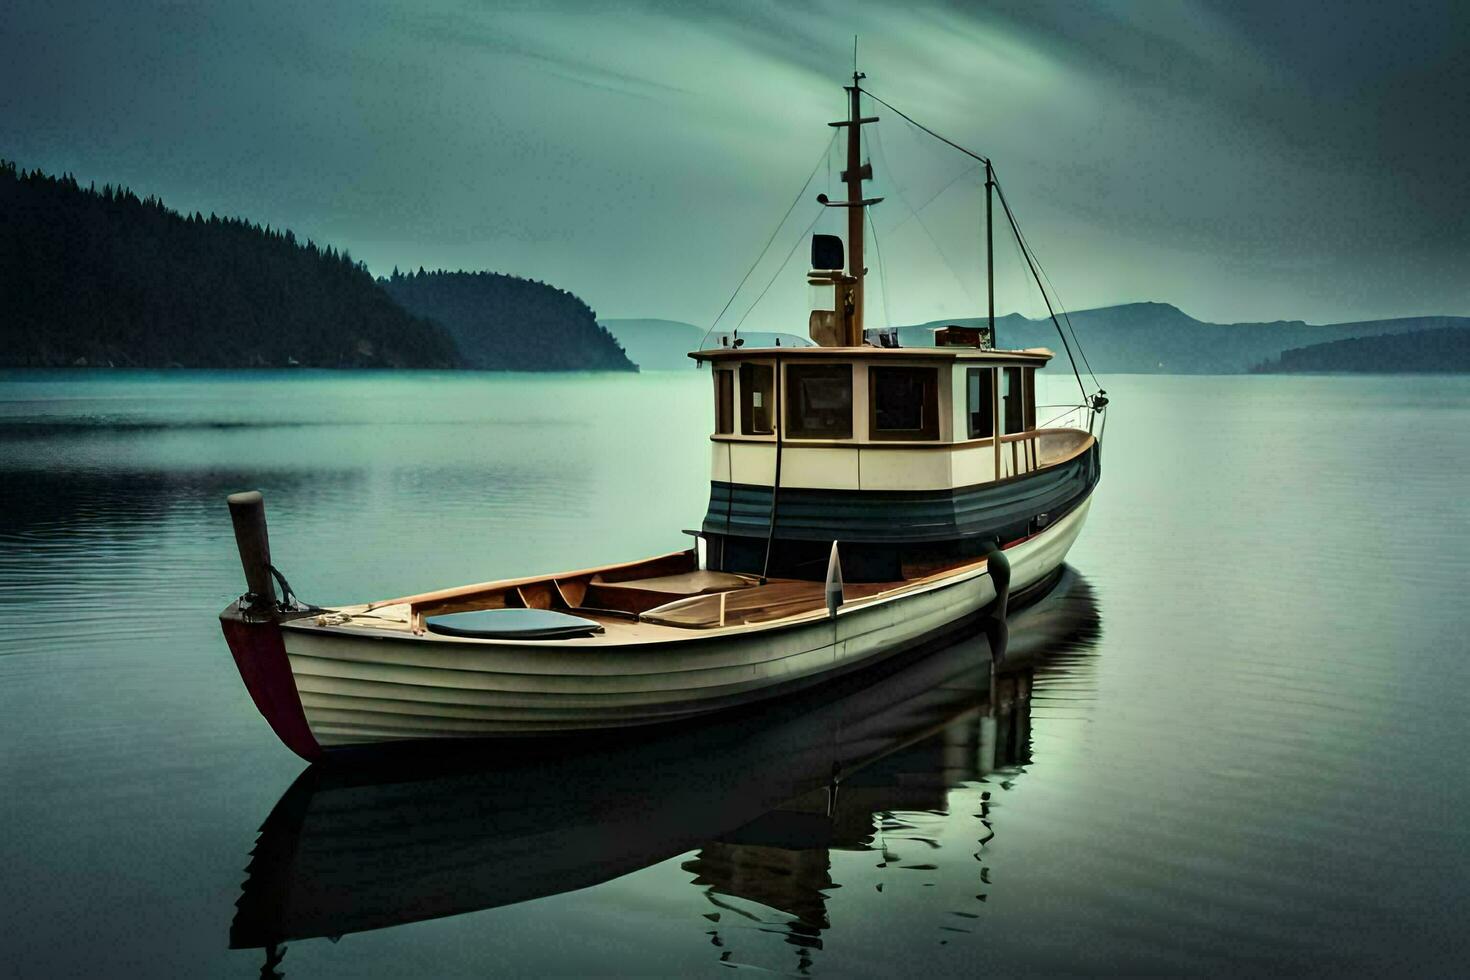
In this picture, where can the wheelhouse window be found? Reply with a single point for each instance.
(757, 390)
(819, 401)
(1011, 408)
(903, 403)
(980, 402)
(724, 402)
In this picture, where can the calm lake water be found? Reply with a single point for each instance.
(1244, 746)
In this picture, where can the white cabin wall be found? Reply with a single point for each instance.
(824, 469)
(904, 469)
(719, 468)
(959, 422)
(973, 464)
(947, 428)
(754, 463)
(869, 467)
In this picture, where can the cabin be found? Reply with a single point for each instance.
(909, 458)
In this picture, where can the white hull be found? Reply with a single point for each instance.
(367, 686)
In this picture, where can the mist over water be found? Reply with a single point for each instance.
(1243, 746)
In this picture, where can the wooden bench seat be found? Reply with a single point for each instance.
(698, 582)
(777, 599)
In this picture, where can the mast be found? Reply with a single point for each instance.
(856, 212)
(989, 250)
(850, 286)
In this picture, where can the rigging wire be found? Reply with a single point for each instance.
(873, 226)
(959, 280)
(830, 142)
(1025, 243)
(933, 197)
(913, 121)
(1031, 262)
(1026, 254)
(1016, 250)
(780, 268)
(882, 268)
(826, 156)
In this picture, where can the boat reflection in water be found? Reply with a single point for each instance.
(758, 797)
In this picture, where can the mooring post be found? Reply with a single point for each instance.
(247, 512)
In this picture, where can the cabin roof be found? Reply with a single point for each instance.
(1034, 355)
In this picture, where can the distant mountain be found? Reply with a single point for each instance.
(1156, 338)
(104, 278)
(1135, 338)
(664, 345)
(1438, 351)
(504, 323)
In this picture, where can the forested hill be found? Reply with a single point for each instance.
(1442, 350)
(102, 277)
(664, 345)
(505, 323)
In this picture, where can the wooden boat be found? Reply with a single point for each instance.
(864, 499)
(351, 849)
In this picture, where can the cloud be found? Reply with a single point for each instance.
(1241, 159)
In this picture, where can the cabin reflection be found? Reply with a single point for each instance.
(781, 861)
(760, 799)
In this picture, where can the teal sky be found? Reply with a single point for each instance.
(1241, 160)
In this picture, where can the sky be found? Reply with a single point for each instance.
(1242, 160)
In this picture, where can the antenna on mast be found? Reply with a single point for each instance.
(843, 325)
(850, 286)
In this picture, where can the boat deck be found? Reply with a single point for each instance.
(630, 604)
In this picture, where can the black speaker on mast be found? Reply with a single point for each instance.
(827, 252)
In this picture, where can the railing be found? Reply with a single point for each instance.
(1019, 453)
(1086, 417)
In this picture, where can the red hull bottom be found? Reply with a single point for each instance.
(260, 655)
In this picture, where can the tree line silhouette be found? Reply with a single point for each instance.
(507, 323)
(1442, 350)
(101, 277)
